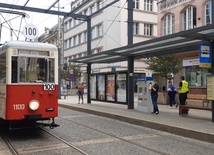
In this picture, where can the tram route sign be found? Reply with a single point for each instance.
(210, 87)
(205, 55)
(30, 31)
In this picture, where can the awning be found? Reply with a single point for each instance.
(180, 42)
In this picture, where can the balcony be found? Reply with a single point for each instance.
(169, 4)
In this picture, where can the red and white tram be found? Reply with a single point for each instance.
(28, 82)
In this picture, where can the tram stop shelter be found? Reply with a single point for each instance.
(184, 41)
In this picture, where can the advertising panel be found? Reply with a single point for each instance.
(93, 92)
(110, 86)
(210, 87)
(101, 87)
(121, 87)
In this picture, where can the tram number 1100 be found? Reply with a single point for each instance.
(18, 106)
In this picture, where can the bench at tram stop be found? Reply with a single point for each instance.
(195, 101)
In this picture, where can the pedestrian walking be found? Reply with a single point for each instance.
(80, 92)
(171, 93)
(183, 90)
(154, 96)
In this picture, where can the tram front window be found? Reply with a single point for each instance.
(35, 70)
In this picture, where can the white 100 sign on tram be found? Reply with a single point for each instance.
(49, 86)
(30, 31)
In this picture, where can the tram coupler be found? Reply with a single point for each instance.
(50, 125)
(53, 125)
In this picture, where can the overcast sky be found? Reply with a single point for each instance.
(38, 19)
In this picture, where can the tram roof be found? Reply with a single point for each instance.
(29, 45)
(180, 42)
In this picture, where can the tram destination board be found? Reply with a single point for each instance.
(210, 87)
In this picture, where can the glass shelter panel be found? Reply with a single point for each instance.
(93, 87)
(101, 87)
(196, 76)
(121, 87)
(110, 87)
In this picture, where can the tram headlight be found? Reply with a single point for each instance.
(34, 105)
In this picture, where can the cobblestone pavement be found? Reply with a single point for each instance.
(197, 124)
(99, 135)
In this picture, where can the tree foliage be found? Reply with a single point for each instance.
(164, 64)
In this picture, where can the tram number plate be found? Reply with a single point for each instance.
(49, 86)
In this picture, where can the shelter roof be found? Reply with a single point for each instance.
(180, 42)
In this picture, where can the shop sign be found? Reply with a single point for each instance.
(191, 62)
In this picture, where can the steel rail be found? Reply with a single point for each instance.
(11, 147)
(64, 141)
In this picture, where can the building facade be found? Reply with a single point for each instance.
(180, 15)
(109, 29)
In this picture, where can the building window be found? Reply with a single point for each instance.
(74, 41)
(98, 5)
(66, 44)
(168, 24)
(148, 5)
(189, 18)
(196, 76)
(71, 42)
(148, 29)
(208, 13)
(85, 36)
(135, 28)
(92, 33)
(99, 30)
(71, 23)
(136, 4)
(80, 38)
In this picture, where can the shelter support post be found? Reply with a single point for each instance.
(88, 83)
(130, 92)
(89, 64)
(212, 71)
(212, 43)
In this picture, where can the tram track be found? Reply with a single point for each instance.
(116, 137)
(64, 141)
(12, 149)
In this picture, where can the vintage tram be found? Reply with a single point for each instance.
(28, 82)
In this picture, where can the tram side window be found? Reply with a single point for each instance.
(14, 70)
(2, 68)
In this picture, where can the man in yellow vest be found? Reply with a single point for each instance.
(183, 90)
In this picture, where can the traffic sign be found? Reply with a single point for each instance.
(30, 31)
(71, 76)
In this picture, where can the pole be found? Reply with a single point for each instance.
(212, 44)
(59, 56)
(130, 91)
(89, 53)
